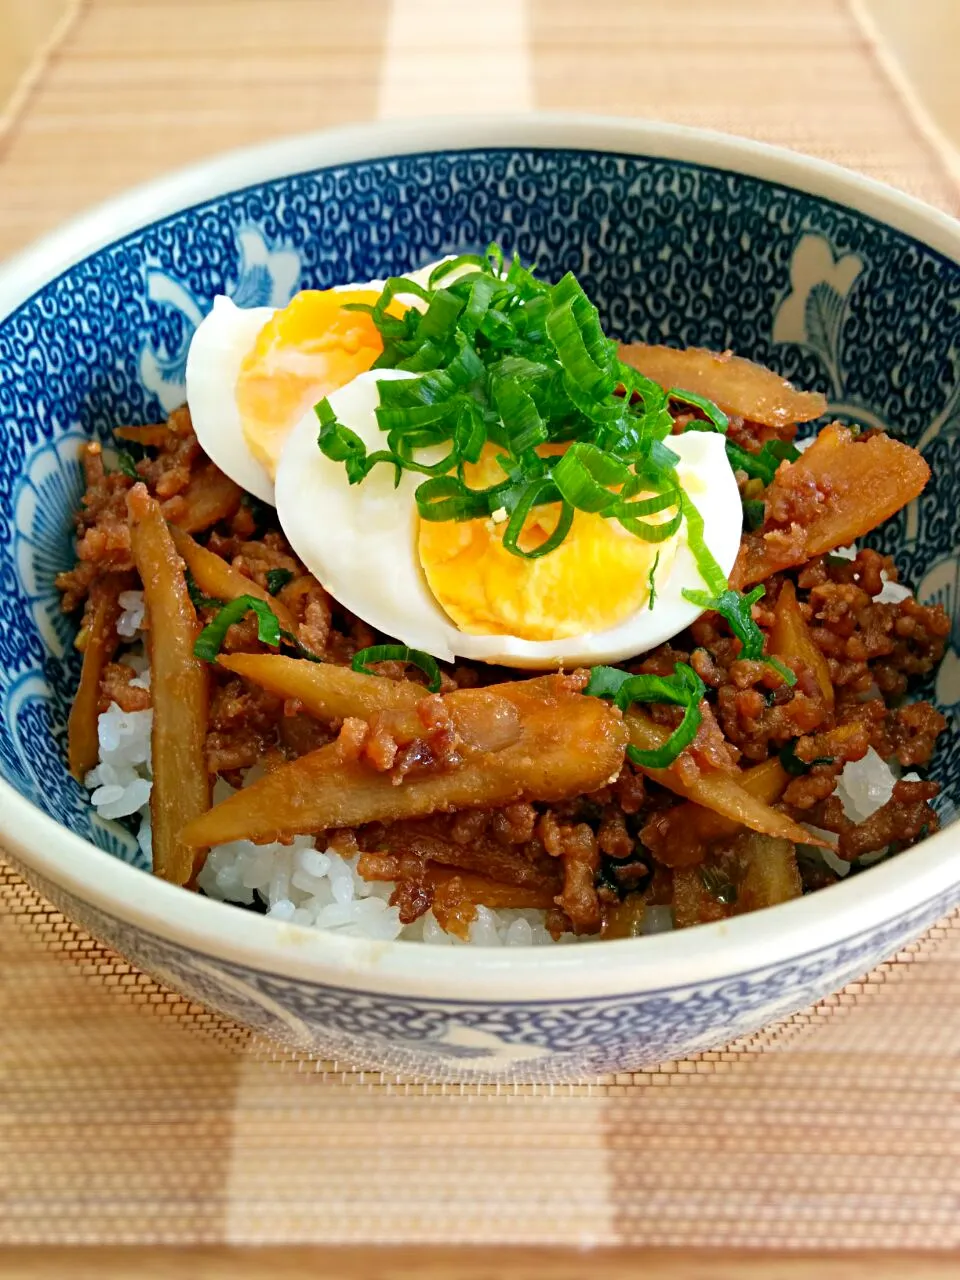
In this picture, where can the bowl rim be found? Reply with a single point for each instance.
(843, 914)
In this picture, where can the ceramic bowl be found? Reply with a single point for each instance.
(681, 236)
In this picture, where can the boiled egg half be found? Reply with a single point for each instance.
(453, 590)
(253, 374)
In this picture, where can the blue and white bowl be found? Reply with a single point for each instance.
(681, 236)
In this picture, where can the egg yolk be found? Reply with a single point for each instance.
(595, 579)
(308, 349)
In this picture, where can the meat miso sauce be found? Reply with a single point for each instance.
(436, 614)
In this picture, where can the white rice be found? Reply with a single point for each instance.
(131, 619)
(301, 885)
(323, 890)
(296, 882)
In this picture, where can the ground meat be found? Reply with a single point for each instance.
(298, 733)
(706, 668)
(243, 724)
(412, 897)
(453, 909)
(169, 472)
(576, 846)
(868, 643)
(514, 824)
(710, 748)
(811, 788)
(115, 687)
(630, 842)
(672, 840)
(911, 733)
(905, 818)
(613, 837)
(752, 436)
(758, 725)
(312, 608)
(473, 840)
(103, 532)
(796, 500)
(629, 790)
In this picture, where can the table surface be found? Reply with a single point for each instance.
(132, 1118)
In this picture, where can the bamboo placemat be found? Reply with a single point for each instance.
(130, 1116)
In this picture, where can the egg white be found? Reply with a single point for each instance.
(221, 342)
(360, 541)
(217, 351)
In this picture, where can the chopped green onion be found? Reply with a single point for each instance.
(522, 423)
(499, 357)
(754, 513)
(736, 608)
(126, 464)
(664, 756)
(211, 638)
(643, 528)
(464, 260)
(710, 571)
(574, 328)
(789, 677)
(651, 584)
(277, 579)
(583, 476)
(448, 498)
(606, 682)
(197, 598)
(718, 884)
(340, 444)
(794, 765)
(398, 653)
(302, 650)
(713, 413)
(539, 492)
(661, 459)
(494, 256)
(469, 434)
(684, 688)
(441, 316)
(763, 465)
(782, 450)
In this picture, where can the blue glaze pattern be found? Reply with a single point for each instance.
(671, 252)
(548, 1040)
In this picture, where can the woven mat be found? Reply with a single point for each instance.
(131, 1116)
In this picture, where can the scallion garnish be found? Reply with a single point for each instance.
(277, 579)
(301, 649)
(126, 464)
(651, 584)
(197, 597)
(398, 653)
(503, 358)
(794, 765)
(736, 608)
(211, 638)
(542, 490)
(683, 689)
(713, 413)
(710, 571)
(718, 884)
(754, 513)
(763, 465)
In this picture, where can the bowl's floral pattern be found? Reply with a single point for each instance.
(672, 252)
(530, 1040)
